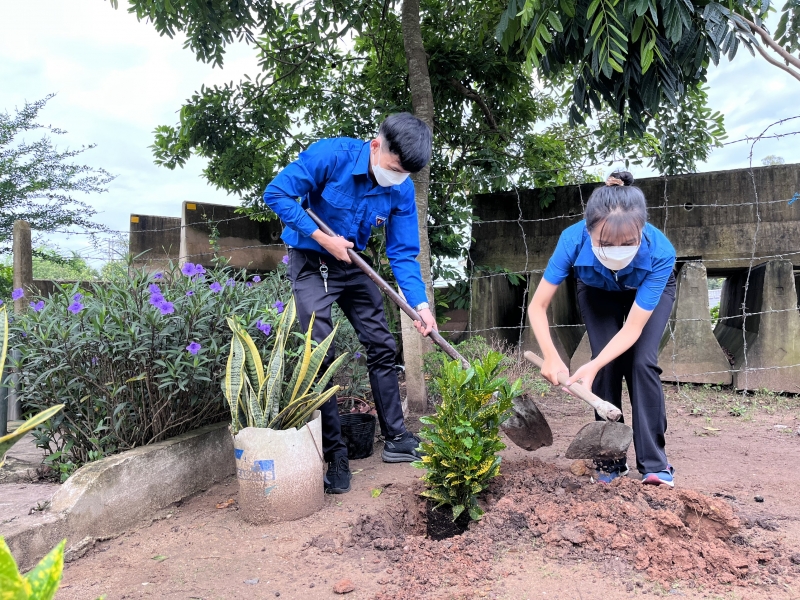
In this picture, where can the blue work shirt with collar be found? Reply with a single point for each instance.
(647, 273)
(332, 178)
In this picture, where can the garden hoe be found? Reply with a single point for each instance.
(527, 427)
(605, 439)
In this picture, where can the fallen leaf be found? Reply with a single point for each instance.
(711, 429)
(376, 492)
(159, 558)
(356, 472)
(227, 504)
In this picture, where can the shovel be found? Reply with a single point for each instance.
(527, 427)
(605, 439)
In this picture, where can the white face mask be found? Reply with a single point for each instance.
(615, 257)
(386, 177)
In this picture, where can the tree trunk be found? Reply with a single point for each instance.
(414, 346)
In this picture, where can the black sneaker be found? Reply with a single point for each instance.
(401, 448)
(337, 479)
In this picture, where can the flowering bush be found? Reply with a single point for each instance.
(138, 359)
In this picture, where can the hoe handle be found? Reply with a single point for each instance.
(605, 409)
(389, 291)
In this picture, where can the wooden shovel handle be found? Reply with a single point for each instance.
(605, 409)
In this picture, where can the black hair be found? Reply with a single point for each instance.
(620, 208)
(409, 138)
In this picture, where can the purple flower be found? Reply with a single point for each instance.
(189, 269)
(279, 306)
(154, 289)
(17, 294)
(264, 328)
(158, 276)
(166, 308)
(189, 293)
(256, 278)
(77, 297)
(285, 259)
(193, 348)
(199, 270)
(75, 308)
(231, 282)
(95, 360)
(1, 303)
(357, 355)
(215, 287)
(37, 306)
(249, 284)
(156, 299)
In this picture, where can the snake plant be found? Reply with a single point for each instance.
(257, 394)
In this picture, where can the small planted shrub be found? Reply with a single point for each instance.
(461, 441)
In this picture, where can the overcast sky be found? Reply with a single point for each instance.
(116, 80)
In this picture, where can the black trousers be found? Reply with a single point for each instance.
(604, 313)
(362, 304)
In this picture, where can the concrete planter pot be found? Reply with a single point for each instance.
(280, 473)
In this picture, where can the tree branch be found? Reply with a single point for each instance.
(777, 63)
(792, 60)
(471, 94)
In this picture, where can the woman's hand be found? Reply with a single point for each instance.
(584, 375)
(551, 367)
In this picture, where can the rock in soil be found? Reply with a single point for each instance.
(345, 586)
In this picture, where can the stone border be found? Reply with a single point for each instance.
(108, 497)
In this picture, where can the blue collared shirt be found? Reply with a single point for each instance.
(647, 273)
(332, 178)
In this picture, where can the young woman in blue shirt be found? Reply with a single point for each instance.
(626, 289)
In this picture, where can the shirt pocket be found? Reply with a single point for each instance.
(337, 198)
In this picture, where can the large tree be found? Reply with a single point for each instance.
(330, 68)
(38, 181)
(640, 57)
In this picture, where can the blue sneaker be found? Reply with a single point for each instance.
(609, 470)
(665, 477)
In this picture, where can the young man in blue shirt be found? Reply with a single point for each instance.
(354, 186)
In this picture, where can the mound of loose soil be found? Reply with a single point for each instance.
(665, 534)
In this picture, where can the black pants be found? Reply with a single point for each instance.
(362, 303)
(604, 313)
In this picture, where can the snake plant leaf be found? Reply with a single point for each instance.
(319, 387)
(45, 577)
(7, 441)
(314, 363)
(302, 366)
(253, 363)
(255, 413)
(234, 378)
(309, 406)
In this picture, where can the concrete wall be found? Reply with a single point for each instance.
(708, 216)
(712, 220)
(154, 240)
(254, 245)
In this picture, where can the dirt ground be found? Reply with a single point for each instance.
(547, 533)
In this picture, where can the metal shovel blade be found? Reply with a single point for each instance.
(527, 427)
(601, 439)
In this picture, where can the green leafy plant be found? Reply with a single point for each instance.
(137, 359)
(40, 583)
(461, 441)
(256, 396)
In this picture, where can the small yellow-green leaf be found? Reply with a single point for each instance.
(376, 492)
(159, 558)
(12, 585)
(45, 577)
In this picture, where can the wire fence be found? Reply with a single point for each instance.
(528, 265)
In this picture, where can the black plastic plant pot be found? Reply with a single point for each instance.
(440, 521)
(358, 431)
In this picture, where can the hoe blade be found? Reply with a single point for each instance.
(528, 428)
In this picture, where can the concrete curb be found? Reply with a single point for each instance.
(110, 496)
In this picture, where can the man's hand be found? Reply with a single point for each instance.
(337, 246)
(430, 322)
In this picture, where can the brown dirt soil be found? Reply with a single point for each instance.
(547, 533)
